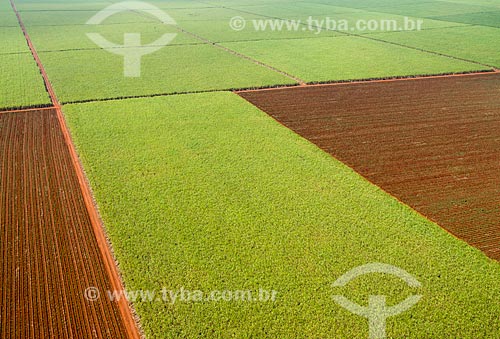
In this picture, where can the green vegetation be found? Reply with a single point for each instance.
(472, 43)
(75, 38)
(490, 3)
(8, 19)
(81, 71)
(206, 192)
(367, 3)
(326, 59)
(204, 14)
(21, 84)
(96, 74)
(219, 30)
(74, 18)
(293, 10)
(481, 19)
(430, 9)
(12, 40)
(5, 6)
(59, 5)
(422, 8)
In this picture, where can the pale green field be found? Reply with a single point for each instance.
(472, 43)
(97, 74)
(328, 59)
(20, 82)
(81, 71)
(491, 19)
(76, 38)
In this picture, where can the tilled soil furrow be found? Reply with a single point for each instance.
(50, 254)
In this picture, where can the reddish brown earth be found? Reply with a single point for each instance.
(432, 143)
(49, 250)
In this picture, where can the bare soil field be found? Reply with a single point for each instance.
(49, 250)
(433, 143)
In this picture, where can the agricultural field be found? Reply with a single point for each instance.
(80, 70)
(201, 169)
(478, 48)
(376, 61)
(20, 81)
(41, 260)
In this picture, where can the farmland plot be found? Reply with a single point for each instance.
(20, 82)
(329, 59)
(50, 255)
(472, 43)
(98, 74)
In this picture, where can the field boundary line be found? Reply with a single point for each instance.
(125, 308)
(240, 55)
(31, 109)
(370, 81)
(100, 49)
(243, 56)
(156, 95)
(275, 87)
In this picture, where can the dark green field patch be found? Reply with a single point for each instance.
(470, 42)
(430, 9)
(482, 19)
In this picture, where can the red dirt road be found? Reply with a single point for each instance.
(432, 143)
(49, 250)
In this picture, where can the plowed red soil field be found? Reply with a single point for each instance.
(49, 252)
(433, 143)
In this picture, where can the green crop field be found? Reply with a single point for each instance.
(472, 42)
(208, 193)
(13, 41)
(7, 18)
(200, 190)
(20, 81)
(59, 18)
(375, 59)
(220, 31)
(95, 74)
(76, 39)
(423, 9)
(480, 19)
